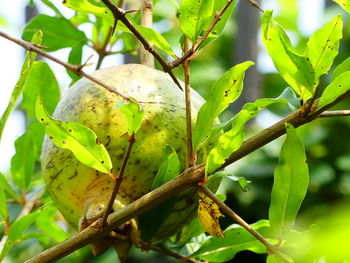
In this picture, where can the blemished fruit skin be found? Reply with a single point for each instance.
(81, 192)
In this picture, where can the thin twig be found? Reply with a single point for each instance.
(146, 57)
(77, 69)
(168, 252)
(270, 247)
(119, 14)
(186, 65)
(118, 180)
(102, 51)
(256, 5)
(196, 46)
(335, 113)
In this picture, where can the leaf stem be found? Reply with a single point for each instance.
(118, 180)
(77, 69)
(270, 247)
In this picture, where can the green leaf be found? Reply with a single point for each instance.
(17, 230)
(169, 168)
(219, 27)
(41, 80)
(242, 181)
(151, 35)
(345, 4)
(75, 56)
(273, 259)
(152, 220)
(294, 68)
(3, 205)
(195, 16)
(323, 46)
(291, 179)
(236, 239)
(335, 89)
(81, 140)
(85, 7)
(133, 114)
(232, 139)
(28, 149)
(47, 224)
(7, 188)
(58, 32)
(341, 68)
(224, 91)
(26, 67)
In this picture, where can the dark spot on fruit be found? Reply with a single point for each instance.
(50, 137)
(102, 162)
(42, 119)
(64, 142)
(98, 141)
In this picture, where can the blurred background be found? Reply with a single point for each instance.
(326, 140)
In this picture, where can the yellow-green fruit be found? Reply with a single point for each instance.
(80, 191)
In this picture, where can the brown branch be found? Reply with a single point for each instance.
(119, 14)
(335, 113)
(196, 46)
(256, 5)
(270, 247)
(118, 180)
(186, 65)
(77, 69)
(146, 57)
(188, 179)
(168, 252)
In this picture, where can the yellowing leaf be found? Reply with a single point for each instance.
(209, 214)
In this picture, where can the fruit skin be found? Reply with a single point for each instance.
(82, 192)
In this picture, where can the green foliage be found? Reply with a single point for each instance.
(290, 184)
(294, 68)
(152, 220)
(341, 68)
(133, 115)
(41, 80)
(323, 46)
(28, 149)
(335, 89)
(223, 92)
(344, 4)
(58, 32)
(195, 16)
(232, 139)
(236, 239)
(26, 67)
(81, 140)
(16, 231)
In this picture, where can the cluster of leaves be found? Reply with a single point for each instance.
(302, 72)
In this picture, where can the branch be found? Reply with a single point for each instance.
(77, 69)
(189, 178)
(256, 5)
(118, 180)
(186, 65)
(270, 247)
(195, 47)
(335, 113)
(119, 14)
